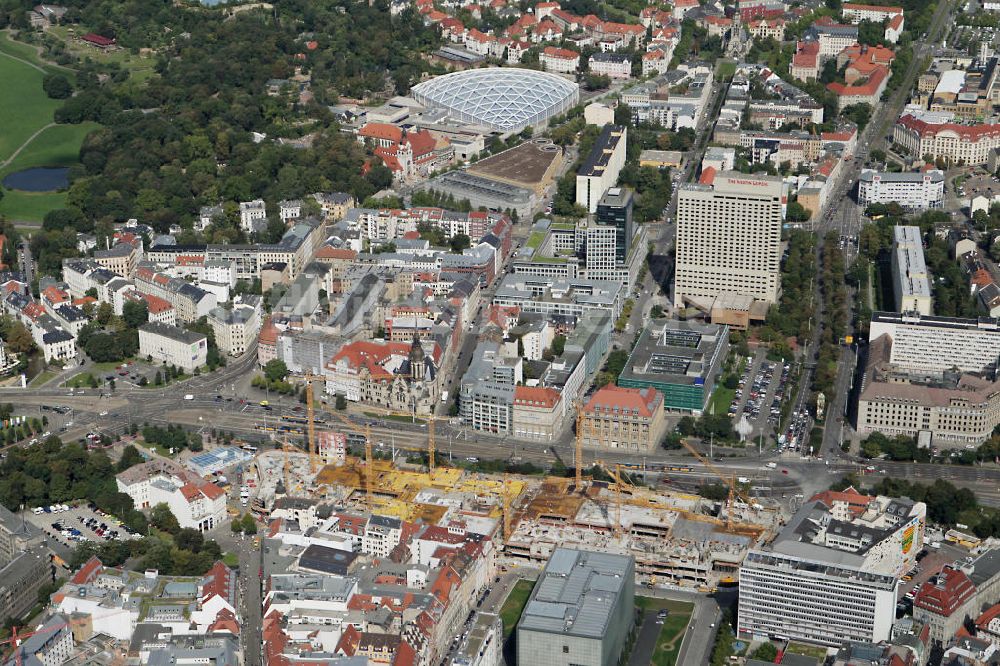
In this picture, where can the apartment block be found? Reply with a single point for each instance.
(910, 277)
(173, 346)
(195, 503)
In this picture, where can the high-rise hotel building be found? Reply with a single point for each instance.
(729, 237)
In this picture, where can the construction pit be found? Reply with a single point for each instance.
(677, 539)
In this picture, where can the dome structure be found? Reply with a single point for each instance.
(505, 99)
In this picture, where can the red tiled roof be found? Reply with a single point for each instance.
(330, 252)
(945, 593)
(268, 333)
(806, 54)
(869, 88)
(896, 22)
(967, 132)
(383, 131)
(856, 502)
(847, 6)
(98, 40)
(609, 398)
(52, 294)
(990, 614)
(87, 572)
(156, 305)
(536, 396)
(707, 176)
(556, 52)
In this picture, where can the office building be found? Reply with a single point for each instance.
(729, 238)
(614, 210)
(20, 580)
(929, 136)
(580, 611)
(830, 575)
(912, 191)
(932, 345)
(910, 279)
(601, 168)
(624, 418)
(945, 406)
(681, 360)
(173, 346)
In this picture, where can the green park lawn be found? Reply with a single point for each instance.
(672, 632)
(24, 110)
(56, 146)
(24, 106)
(722, 397)
(514, 605)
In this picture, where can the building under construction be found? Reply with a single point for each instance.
(673, 537)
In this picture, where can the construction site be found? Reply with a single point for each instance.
(677, 539)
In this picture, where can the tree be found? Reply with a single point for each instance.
(130, 457)
(249, 524)
(341, 402)
(797, 212)
(57, 86)
(189, 539)
(275, 370)
(460, 242)
(18, 338)
(766, 652)
(163, 519)
(105, 312)
(860, 114)
(135, 313)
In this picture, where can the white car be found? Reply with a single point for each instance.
(104, 413)
(37, 510)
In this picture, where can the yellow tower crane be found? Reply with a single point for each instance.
(579, 448)
(618, 500)
(431, 421)
(313, 445)
(369, 468)
(505, 498)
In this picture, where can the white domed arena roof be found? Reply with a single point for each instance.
(505, 99)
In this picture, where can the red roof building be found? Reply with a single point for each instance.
(624, 418)
(404, 152)
(943, 602)
(970, 144)
(99, 41)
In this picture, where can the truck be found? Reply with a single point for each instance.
(772, 465)
(444, 396)
(189, 396)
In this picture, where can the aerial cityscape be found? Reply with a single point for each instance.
(461, 333)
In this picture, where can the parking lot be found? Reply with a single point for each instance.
(69, 525)
(761, 389)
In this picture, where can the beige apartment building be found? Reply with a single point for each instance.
(728, 237)
(173, 346)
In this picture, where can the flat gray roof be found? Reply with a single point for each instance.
(576, 593)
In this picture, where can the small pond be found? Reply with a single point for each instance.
(38, 179)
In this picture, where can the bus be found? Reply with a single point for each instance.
(251, 449)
